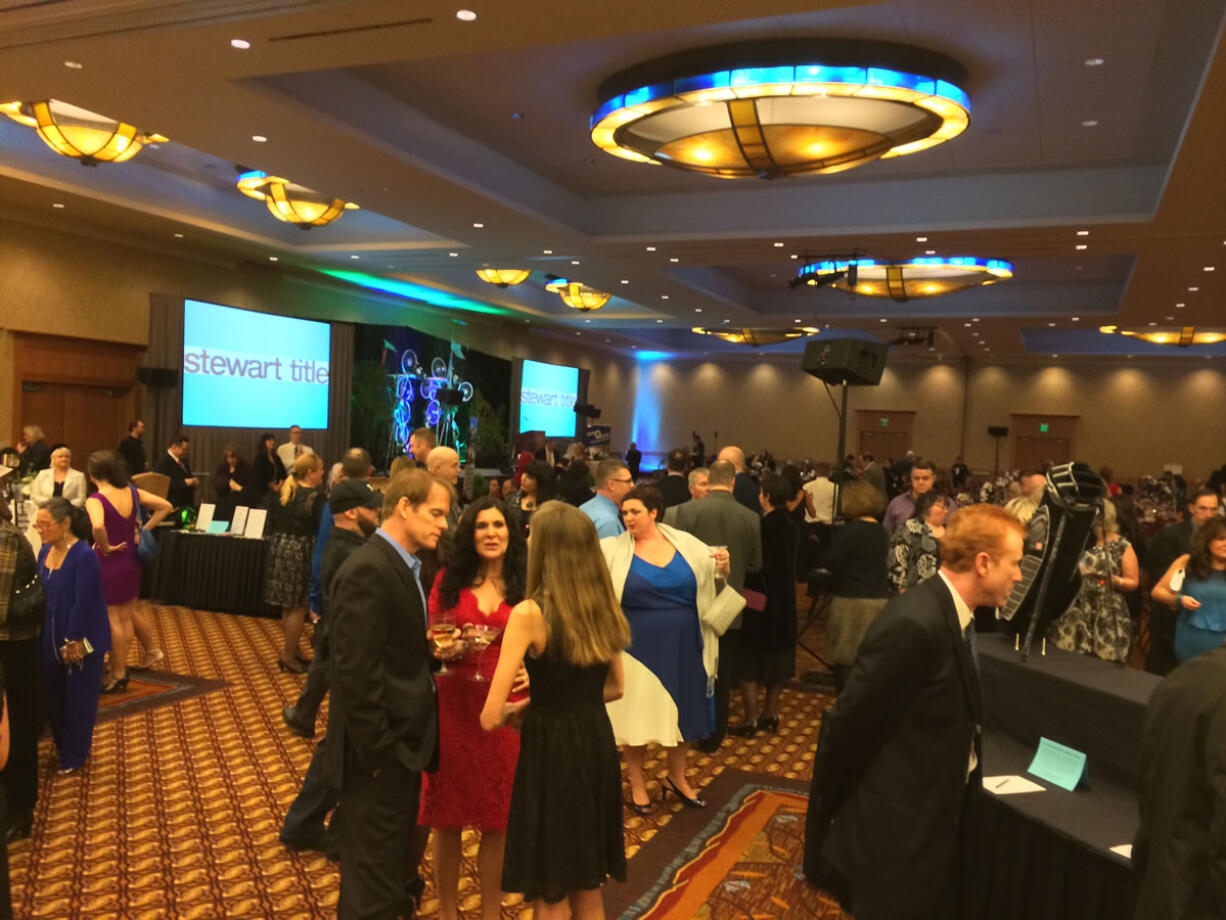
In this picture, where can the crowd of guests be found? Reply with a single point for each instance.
(488, 655)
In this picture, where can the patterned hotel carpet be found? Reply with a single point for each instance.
(177, 813)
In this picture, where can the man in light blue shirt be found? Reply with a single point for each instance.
(613, 481)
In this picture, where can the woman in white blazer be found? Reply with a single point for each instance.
(665, 580)
(60, 479)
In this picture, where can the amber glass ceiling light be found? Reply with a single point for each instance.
(292, 203)
(781, 108)
(503, 277)
(83, 135)
(758, 337)
(928, 276)
(1180, 336)
(581, 297)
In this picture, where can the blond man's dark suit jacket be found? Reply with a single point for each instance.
(890, 778)
(384, 707)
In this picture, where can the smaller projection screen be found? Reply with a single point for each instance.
(547, 397)
(243, 369)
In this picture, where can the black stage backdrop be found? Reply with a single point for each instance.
(381, 418)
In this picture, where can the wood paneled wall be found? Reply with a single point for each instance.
(82, 392)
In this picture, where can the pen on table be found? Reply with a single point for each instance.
(1001, 783)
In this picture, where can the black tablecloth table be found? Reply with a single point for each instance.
(1047, 855)
(211, 572)
(1083, 702)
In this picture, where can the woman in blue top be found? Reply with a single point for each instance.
(1200, 594)
(76, 633)
(664, 579)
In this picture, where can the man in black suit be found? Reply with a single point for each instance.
(898, 761)
(1178, 849)
(355, 508)
(1171, 543)
(173, 463)
(744, 489)
(383, 721)
(132, 448)
(719, 520)
(674, 488)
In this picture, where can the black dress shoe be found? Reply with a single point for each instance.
(744, 730)
(289, 715)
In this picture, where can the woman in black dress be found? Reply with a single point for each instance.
(293, 523)
(858, 585)
(267, 470)
(537, 485)
(768, 637)
(564, 833)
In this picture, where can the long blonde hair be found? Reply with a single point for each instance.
(305, 464)
(568, 579)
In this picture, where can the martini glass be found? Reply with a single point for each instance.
(480, 638)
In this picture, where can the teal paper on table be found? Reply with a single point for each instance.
(1060, 765)
(218, 526)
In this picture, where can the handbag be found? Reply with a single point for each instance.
(147, 548)
(147, 545)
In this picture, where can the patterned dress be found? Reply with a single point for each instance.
(914, 555)
(1097, 622)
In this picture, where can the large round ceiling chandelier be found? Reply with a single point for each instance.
(78, 133)
(503, 277)
(758, 337)
(781, 108)
(909, 279)
(292, 203)
(1179, 336)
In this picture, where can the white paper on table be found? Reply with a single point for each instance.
(239, 521)
(1124, 849)
(255, 523)
(205, 517)
(1010, 785)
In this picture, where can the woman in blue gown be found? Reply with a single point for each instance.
(663, 577)
(76, 634)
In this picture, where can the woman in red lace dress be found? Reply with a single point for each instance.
(482, 581)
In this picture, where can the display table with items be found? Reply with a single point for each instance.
(209, 571)
(1050, 853)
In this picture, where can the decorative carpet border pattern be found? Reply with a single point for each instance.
(686, 851)
(151, 689)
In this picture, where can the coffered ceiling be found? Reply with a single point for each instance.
(435, 125)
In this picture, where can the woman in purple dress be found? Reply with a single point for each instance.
(114, 514)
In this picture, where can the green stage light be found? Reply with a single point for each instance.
(411, 291)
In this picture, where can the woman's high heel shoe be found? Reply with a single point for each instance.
(667, 785)
(294, 667)
(118, 685)
(640, 809)
(745, 729)
(769, 724)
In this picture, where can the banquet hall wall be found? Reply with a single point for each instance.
(1135, 416)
